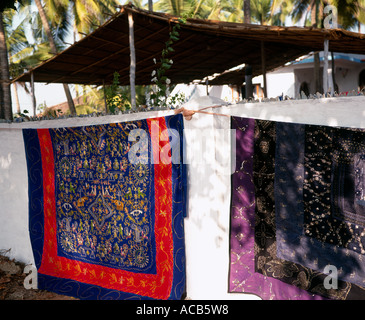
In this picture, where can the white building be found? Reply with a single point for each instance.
(299, 75)
(291, 79)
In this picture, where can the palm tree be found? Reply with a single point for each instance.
(53, 47)
(6, 109)
(5, 94)
(360, 14)
(349, 14)
(173, 7)
(25, 54)
(203, 9)
(56, 15)
(247, 11)
(261, 11)
(18, 46)
(88, 15)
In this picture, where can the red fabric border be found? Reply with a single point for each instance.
(157, 286)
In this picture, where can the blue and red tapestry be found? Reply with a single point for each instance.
(297, 214)
(106, 209)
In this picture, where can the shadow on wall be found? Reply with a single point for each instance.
(5, 161)
(362, 80)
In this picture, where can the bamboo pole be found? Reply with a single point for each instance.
(132, 69)
(248, 80)
(333, 69)
(263, 66)
(33, 94)
(104, 91)
(325, 67)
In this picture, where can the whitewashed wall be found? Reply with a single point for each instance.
(207, 224)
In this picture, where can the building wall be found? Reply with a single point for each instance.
(288, 79)
(348, 78)
(280, 84)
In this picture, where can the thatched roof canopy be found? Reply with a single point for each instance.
(205, 47)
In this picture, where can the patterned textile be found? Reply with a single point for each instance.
(106, 208)
(296, 208)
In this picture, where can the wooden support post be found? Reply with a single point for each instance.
(325, 67)
(333, 69)
(317, 82)
(263, 66)
(150, 5)
(33, 94)
(248, 81)
(104, 91)
(132, 69)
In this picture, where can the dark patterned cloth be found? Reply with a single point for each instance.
(253, 243)
(308, 188)
(106, 208)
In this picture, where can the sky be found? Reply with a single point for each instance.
(50, 94)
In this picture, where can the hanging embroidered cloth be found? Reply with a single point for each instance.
(297, 208)
(106, 208)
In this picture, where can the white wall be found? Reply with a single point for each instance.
(280, 83)
(207, 224)
(14, 196)
(348, 78)
(192, 91)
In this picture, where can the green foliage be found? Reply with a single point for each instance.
(23, 114)
(161, 91)
(8, 4)
(116, 98)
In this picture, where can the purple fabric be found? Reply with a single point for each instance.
(243, 277)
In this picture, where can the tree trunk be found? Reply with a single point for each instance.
(246, 11)
(1, 100)
(47, 29)
(6, 112)
(15, 85)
